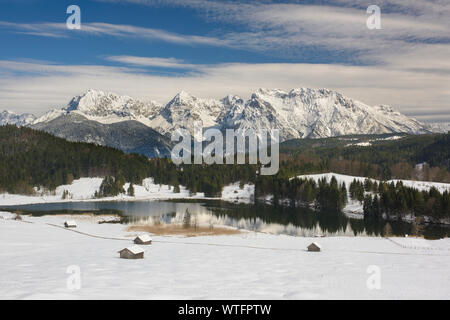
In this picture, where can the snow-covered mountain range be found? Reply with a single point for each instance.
(443, 127)
(299, 113)
(8, 117)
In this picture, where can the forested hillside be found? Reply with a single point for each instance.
(32, 158)
(378, 157)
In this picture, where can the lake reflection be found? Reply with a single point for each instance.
(259, 218)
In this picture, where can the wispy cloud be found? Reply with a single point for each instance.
(288, 29)
(44, 85)
(107, 29)
(284, 28)
(152, 62)
(54, 30)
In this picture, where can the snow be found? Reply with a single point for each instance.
(80, 190)
(9, 117)
(341, 178)
(359, 144)
(424, 185)
(317, 245)
(420, 185)
(70, 223)
(234, 193)
(7, 215)
(36, 259)
(391, 138)
(369, 142)
(134, 249)
(144, 238)
(441, 127)
(50, 115)
(84, 189)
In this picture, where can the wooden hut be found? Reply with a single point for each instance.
(143, 239)
(314, 247)
(134, 252)
(70, 224)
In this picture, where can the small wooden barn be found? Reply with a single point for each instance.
(143, 239)
(70, 224)
(314, 247)
(134, 252)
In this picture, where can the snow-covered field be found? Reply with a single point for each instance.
(84, 189)
(35, 259)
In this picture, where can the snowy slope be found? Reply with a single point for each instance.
(35, 257)
(84, 189)
(105, 107)
(424, 185)
(420, 185)
(320, 113)
(184, 110)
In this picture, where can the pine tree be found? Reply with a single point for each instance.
(367, 206)
(187, 219)
(387, 230)
(130, 190)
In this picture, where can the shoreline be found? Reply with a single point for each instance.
(83, 190)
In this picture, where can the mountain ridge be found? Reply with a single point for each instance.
(9, 117)
(130, 136)
(298, 113)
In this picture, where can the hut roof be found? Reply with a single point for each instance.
(315, 244)
(70, 223)
(134, 249)
(144, 238)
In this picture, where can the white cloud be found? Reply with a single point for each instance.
(337, 27)
(151, 62)
(107, 29)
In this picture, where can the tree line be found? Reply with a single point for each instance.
(394, 200)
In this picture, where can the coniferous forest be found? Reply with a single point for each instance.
(32, 158)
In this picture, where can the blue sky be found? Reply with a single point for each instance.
(152, 49)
